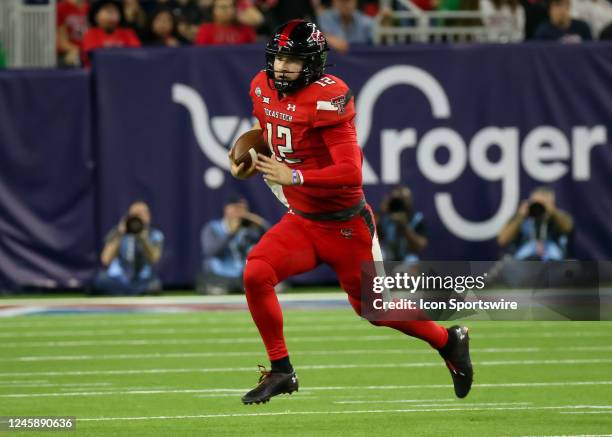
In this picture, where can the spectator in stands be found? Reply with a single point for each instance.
(504, 14)
(162, 30)
(190, 14)
(248, 14)
(370, 7)
(277, 12)
(135, 16)
(107, 28)
(71, 27)
(343, 25)
(561, 27)
(226, 243)
(130, 251)
(536, 13)
(596, 13)
(205, 8)
(539, 230)
(401, 229)
(225, 28)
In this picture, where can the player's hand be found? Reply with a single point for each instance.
(236, 170)
(233, 224)
(274, 171)
(72, 57)
(121, 227)
(144, 234)
(549, 205)
(523, 210)
(399, 218)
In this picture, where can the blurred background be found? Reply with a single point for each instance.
(484, 124)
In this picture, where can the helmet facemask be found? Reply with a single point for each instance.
(312, 70)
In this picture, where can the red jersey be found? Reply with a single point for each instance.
(75, 19)
(211, 33)
(96, 38)
(312, 130)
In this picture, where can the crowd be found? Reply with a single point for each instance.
(86, 25)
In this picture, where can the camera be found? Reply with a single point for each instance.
(134, 225)
(536, 210)
(397, 204)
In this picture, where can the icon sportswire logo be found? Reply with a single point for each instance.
(544, 153)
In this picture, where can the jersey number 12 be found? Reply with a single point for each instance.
(283, 149)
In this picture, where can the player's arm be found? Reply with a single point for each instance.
(333, 114)
(341, 139)
(512, 228)
(236, 170)
(112, 243)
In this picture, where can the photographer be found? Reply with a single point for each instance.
(539, 230)
(226, 243)
(131, 249)
(401, 229)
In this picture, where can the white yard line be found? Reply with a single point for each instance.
(587, 412)
(249, 329)
(434, 404)
(572, 435)
(209, 318)
(303, 413)
(256, 339)
(304, 367)
(161, 300)
(258, 353)
(145, 342)
(307, 389)
(34, 358)
(237, 318)
(174, 331)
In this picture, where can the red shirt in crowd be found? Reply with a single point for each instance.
(96, 38)
(74, 18)
(211, 33)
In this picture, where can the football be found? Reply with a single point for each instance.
(246, 148)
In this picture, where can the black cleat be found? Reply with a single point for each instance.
(456, 354)
(271, 384)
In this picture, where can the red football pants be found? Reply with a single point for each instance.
(297, 245)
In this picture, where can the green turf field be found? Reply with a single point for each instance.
(183, 374)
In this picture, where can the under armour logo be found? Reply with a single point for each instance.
(290, 107)
(346, 233)
(266, 99)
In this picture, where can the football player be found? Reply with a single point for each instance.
(315, 170)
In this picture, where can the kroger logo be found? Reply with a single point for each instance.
(545, 153)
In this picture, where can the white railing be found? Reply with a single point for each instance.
(417, 25)
(27, 33)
